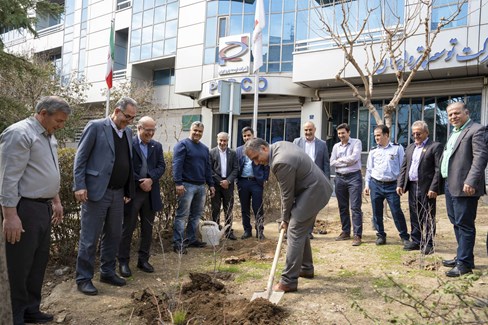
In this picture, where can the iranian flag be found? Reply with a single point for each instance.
(257, 35)
(110, 58)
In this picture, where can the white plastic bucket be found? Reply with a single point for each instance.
(210, 232)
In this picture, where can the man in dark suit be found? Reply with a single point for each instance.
(103, 182)
(316, 149)
(419, 175)
(224, 173)
(250, 184)
(149, 166)
(304, 192)
(463, 166)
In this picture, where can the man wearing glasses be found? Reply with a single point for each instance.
(149, 166)
(419, 175)
(103, 183)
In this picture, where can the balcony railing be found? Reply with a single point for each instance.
(123, 4)
(119, 74)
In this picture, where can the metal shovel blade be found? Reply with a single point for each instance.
(274, 297)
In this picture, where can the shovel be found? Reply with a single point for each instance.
(273, 296)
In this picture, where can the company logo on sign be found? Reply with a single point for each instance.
(234, 54)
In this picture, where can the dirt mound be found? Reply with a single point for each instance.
(205, 300)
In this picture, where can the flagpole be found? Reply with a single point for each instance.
(110, 65)
(257, 49)
(107, 105)
(256, 100)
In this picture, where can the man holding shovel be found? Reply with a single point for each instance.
(305, 190)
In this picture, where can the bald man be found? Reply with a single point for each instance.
(148, 164)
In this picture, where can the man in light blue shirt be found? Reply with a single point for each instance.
(382, 170)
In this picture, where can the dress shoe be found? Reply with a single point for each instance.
(114, 280)
(450, 263)
(284, 287)
(231, 236)
(458, 270)
(38, 317)
(261, 236)
(124, 270)
(427, 250)
(343, 236)
(145, 266)
(180, 250)
(356, 241)
(381, 240)
(411, 246)
(87, 288)
(306, 275)
(198, 244)
(246, 235)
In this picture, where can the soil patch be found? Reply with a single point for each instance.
(205, 300)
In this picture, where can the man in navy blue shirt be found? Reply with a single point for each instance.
(250, 184)
(191, 171)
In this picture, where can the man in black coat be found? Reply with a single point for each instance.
(419, 175)
(149, 167)
(224, 174)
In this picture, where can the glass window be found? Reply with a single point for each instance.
(402, 123)
(363, 127)
(286, 66)
(210, 32)
(159, 2)
(158, 49)
(274, 53)
(224, 7)
(222, 26)
(209, 55)
(273, 67)
(135, 37)
(137, 21)
(290, 5)
(429, 113)
(248, 24)
(158, 33)
(445, 9)
(249, 7)
(135, 53)
(277, 129)
(292, 129)
(235, 25)
(302, 25)
(287, 54)
(148, 4)
(159, 14)
(148, 18)
(146, 51)
(171, 29)
(275, 29)
(289, 27)
(170, 46)
(236, 7)
(162, 77)
(394, 12)
(172, 11)
(147, 35)
(473, 103)
(276, 5)
(212, 8)
(441, 121)
(137, 6)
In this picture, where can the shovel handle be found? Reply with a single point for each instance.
(275, 262)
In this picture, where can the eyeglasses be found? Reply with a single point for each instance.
(149, 130)
(127, 116)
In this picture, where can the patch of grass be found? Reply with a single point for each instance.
(390, 254)
(230, 269)
(356, 293)
(383, 283)
(347, 273)
(247, 276)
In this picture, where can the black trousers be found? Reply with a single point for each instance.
(223, 197)
(27, 259)
(140, 206)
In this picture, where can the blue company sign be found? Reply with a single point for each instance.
(410, 61)
(246, 84)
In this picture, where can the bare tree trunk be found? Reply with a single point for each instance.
(5, 305)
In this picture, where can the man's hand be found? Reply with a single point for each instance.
(212, 191)
(180, 190)
(431, 195)
(468, 189)
(284, 225)
(81, 195)
(224, 184)
(127, 199)
(399, 191)
(366, 191)
(145, 184)
(12, 226)
(58, 213)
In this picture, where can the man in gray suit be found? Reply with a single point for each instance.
(103, 182)
(463, 170)
(224, 174)
(304, 192)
